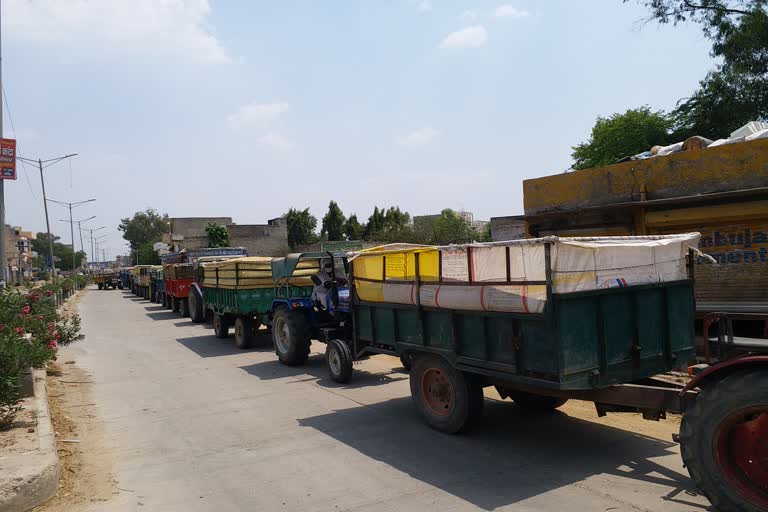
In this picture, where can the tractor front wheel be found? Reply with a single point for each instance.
(724, 441)
(338, 359)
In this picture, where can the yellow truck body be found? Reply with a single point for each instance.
(721, 192)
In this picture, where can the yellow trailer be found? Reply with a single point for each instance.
(721, 192)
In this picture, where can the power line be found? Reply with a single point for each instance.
(13, 129)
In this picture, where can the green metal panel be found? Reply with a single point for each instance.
(583, 340)
(245, 302)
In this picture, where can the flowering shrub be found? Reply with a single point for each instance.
(31, 330)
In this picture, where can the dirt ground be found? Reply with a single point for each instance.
(21, 436)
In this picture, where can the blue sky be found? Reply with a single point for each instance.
(246, 108)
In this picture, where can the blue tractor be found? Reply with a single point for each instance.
(298, 319)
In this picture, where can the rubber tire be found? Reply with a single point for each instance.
(101, 286)
(184, 307)
(345, 359)
(537, 403)
(196, 312)
(716, 401)
(175, 303)
(407, 361)
(220, 326)
(244, 332)
(468, 395)
(299, 337)
(169, 302)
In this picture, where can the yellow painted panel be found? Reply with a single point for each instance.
(743, 165)
(706, 214)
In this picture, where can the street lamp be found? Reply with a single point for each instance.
(91, 237)
(48, 163)
(79, 229)
(71, 223)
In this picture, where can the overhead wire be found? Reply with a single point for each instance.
(13, 129)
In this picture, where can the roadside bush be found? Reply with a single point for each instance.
(31, 330)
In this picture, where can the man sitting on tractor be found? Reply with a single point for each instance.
(324, 282)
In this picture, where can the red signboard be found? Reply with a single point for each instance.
(7, 159)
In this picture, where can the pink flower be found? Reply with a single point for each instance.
(2, 327)
(56, 336)
(26, 310)
(52, 344)
(39, 317)
(51, 326)
(20, 331)
(48, 293)
(34, 297)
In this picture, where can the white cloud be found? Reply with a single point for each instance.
(425, 6)
(470, 37)
(143, 27)
(468, 15)
(276, 141)
(257, 113)
(418, 138)
(508, 11)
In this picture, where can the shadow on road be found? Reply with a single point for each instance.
(211, 346)
(511, 456)
(315, 370)
(163, 315)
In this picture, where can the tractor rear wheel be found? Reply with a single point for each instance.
(291, 334)
(724, 441)
(196, 312)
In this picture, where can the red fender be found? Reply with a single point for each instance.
(725, 367)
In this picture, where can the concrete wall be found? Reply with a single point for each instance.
(507, 228)
(269, 239)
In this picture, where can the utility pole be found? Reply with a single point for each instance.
(4, 273)
(48, 163)
(72, 224)
(93, 259)
(80, 230)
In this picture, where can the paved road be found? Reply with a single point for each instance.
(193, 423)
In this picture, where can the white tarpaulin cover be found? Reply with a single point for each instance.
(477, 276)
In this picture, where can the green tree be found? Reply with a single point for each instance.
(451, 228)
(352, 228)
(218, 235)
(146, 254)
(144, 227)
(736, 91)
(62, 253)
(390, 225)
(620, 135)
(333, 223)
(301, 227)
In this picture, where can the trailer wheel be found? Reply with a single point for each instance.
(220, 326)
(538, 403)
(243, 332)
(449, 400)
(338, 360)
(184, 307)
(175, 303)
(101, 286)
(290, 332)
(407, 361)
(724, 441)
(196, 312)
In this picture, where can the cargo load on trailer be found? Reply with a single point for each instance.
(511, 276)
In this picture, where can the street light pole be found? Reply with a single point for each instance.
(72, 225)
(80, 230)
(91, 237)
(40, 163)
(47, 223)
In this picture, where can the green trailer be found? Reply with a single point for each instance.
(548, 320)
(240, 292)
